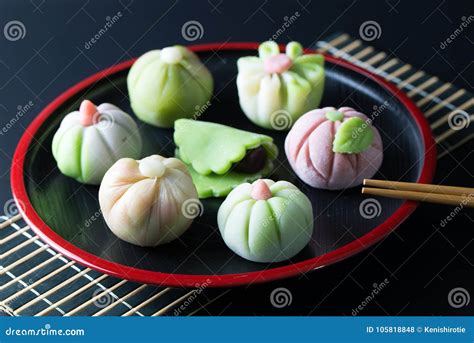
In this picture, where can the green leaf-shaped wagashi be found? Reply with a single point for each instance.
(213, 153)
(353, 137)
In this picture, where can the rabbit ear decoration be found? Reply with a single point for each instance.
(212, 152)
(293, 50)
(268, 49)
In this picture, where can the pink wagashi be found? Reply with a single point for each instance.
(311, 151)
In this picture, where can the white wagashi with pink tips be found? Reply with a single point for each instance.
(93, 138)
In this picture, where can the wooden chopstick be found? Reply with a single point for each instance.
(418, 187)
(449, 195)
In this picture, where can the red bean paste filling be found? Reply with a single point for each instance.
(254, 161)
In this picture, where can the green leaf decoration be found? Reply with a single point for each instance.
(267, 49)
(334, 115)
(353, 137)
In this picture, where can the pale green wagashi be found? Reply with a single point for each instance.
(168, 84)
(276, 89)
(90, 140)
(266, 221)
(221, 157)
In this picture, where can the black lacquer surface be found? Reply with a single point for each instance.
(72, 209)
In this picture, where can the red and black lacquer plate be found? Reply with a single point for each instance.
(66, 214)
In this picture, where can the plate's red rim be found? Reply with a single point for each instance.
(189, 280)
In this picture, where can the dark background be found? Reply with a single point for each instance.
(422, 261)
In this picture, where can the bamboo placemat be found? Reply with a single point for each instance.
(36, 281)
